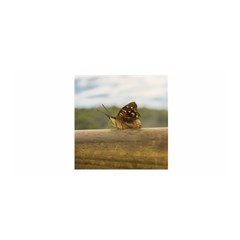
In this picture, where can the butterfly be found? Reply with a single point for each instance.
(128, 117)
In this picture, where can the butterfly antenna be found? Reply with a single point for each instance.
(104, 113)
(106, 109)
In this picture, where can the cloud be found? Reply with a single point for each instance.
(147, 91)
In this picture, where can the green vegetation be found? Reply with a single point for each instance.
(92, 119)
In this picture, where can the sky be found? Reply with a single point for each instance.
(147, 91)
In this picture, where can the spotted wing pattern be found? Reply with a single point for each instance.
(129, 113)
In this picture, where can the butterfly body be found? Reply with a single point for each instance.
(128, 117)
(125, 125)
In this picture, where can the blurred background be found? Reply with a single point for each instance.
(149, 92)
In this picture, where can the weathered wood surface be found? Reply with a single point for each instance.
(145, 148)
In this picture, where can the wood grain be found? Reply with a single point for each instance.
(145, 148)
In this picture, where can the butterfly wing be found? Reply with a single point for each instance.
(128, 113)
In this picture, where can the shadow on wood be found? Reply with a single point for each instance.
(145, 148)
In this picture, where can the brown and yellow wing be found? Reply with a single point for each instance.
(129, 113)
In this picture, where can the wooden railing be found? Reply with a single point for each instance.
(145, 148)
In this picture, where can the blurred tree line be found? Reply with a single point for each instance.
(92, 119)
